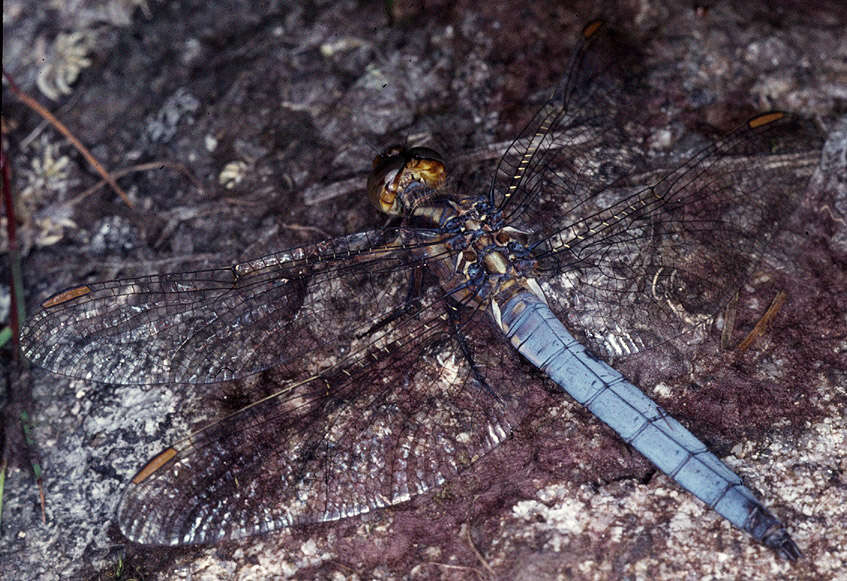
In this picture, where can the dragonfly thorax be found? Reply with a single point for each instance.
(477, 259)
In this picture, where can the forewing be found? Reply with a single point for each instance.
(575, 140)
(222, 324)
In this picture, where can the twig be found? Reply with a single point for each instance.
(761, 326)
(46, 114)
(477, 553)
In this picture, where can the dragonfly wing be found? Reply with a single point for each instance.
(634, 256)
(640, 264)
(386, 423)
(221, 324)
(579, 140)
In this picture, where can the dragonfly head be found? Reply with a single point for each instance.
(402, 178)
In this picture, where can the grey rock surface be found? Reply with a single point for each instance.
(264, 102)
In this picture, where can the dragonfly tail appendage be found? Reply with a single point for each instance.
(540, 337)
(765, 527)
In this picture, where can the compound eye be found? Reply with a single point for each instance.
(383, 183)
(390, 176)
(425, 153)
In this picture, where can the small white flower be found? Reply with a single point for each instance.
(49, 171)
(232, 174)
(61, 70)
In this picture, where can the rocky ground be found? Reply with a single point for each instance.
(275, 109)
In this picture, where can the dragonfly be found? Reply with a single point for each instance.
(401, 355)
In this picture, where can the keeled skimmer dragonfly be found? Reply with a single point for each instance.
(404, 350)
